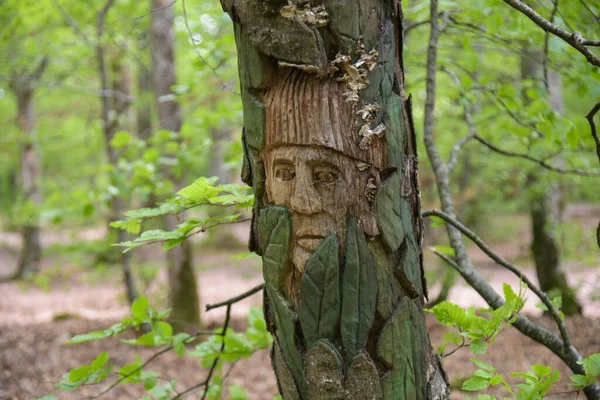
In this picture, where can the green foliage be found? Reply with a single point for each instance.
(203, 192)
(473, 330)
(220, 347)
(95, 372)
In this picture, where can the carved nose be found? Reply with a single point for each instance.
(305, 199)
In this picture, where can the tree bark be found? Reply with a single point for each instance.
(544, 211)
(183, 294)
(23, 86)
(112, 107)
(330, 152)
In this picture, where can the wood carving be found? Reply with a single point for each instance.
(330, 152)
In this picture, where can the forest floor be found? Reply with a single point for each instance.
(71, 297)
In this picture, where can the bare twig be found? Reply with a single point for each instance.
(594, 130)
(69, 20)
(590, 11)
(191, 35)
(136, 370)
(414, 25)
(236, 298)
(508, 265)
(540, 162)
(574, 39)
(546, 47)
(157, 9)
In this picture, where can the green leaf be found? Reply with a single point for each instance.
(591, 365)
(162, 328)
(541, 370)
(179, 341)
(286, 332)
(319, 309)
(483, 365)
(99, 362)
(201, 190)
(579, 380)
(140, 308)
(237, 392)
(120, 139)
(475, 383)
(359, 290)
(447, 250)
(478, 347)
(275, 230)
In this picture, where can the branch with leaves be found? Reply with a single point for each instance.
(203, 192)
(223, 345)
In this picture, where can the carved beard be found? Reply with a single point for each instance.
(308, 232)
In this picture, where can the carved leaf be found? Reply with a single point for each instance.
(324, 372)
(275, 229)
(320, 293)
(402, 346)
(362, 380)
(286, 332)
(388, 213)
(285, 380)
(359, 290)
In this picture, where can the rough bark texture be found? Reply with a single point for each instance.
(24, 89)
(183, 290)
(330, 152)
(544, 211)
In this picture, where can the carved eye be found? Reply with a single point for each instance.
(325, 176)
(285, 173)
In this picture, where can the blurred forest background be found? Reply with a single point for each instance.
(110, 109)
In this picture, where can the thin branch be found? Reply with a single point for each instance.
(542, 163)
(414, 25)
(594, 130)
(546, 48)
(157, 9)
(590, 11)
(69, 20)
(213, 367)
(508, 265)
(125, 376)
(574, 39)
(214, 70)
(236, 298)
(469, 119)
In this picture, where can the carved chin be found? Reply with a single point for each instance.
(299, 258)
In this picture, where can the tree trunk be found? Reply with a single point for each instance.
(24, 87)
(183, 295)
(145, 97)
(330, 152)
(31, 248)
(545, 212)
(112, 107)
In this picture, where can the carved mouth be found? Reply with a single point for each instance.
(309, 242)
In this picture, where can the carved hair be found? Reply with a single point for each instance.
(305, 110)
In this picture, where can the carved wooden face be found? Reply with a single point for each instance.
(319, 186)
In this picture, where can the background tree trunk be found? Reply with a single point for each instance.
(112, 107)
(23, 87)
(183, 294)
(544, 211)
(330, 152)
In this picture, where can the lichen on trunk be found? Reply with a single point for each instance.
(330, 152)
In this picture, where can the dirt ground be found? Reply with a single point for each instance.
(35, 322)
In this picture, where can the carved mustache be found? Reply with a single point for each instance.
(311, 230)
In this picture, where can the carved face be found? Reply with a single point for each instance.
(319, 186)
